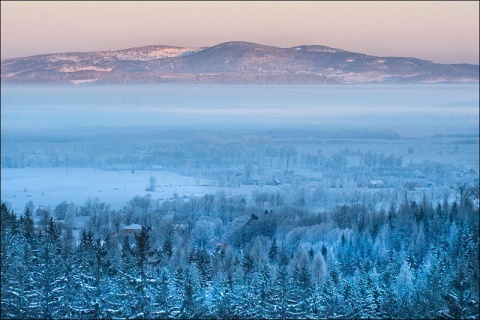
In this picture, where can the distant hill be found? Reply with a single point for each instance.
(230, 62)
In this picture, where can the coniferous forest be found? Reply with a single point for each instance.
(224, 259)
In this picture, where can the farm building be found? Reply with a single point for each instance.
(132, 228)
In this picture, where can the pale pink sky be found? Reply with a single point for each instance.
(444, 31)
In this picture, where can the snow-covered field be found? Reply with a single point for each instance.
(51, 186)
(99, 126)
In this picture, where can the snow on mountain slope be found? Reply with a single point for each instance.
(153, 52)
(230, 62)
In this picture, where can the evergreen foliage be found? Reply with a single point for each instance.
(414, 261)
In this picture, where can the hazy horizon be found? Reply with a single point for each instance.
(402, 108)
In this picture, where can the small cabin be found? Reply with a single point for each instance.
(132, 228)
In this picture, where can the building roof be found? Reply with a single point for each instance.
(133, 226)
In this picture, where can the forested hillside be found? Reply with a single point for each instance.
(230, 62)
(217, 257)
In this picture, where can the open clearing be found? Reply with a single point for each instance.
(51, 186)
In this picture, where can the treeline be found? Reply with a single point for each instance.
(217, 260)
(174, 151)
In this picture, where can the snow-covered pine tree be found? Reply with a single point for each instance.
(277, 301)
(50, 273)
(14, 272)
(162, 297)
(224, 297)
(331, 297)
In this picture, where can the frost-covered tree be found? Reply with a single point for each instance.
(152, 184)
(14, 273)
(188, 297)
(49, 274)
(277, 301)
(201, 258)
(330, 298)
(354, 262)
(225, 298)
(162, 297)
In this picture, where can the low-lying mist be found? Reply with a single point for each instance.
(409, 110)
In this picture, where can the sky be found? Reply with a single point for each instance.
(442, 32)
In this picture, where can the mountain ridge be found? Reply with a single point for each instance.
(230, 62)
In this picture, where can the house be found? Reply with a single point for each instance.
(132, 228)
(219, 243)
(375, 184)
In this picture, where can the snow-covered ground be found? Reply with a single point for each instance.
(84, 81)
(51, 186)
(145, 54)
